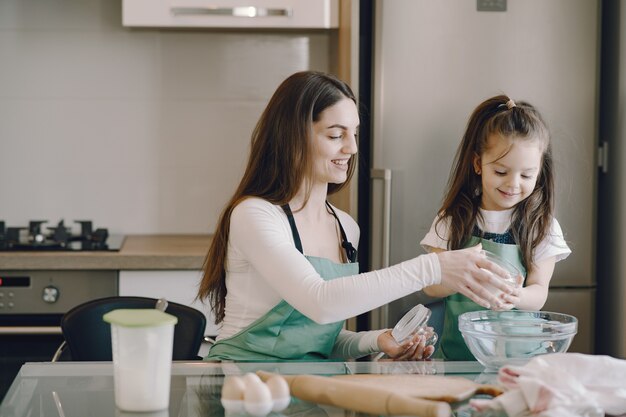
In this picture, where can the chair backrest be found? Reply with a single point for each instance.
(89, 337)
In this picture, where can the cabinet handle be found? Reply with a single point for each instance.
(244, 11)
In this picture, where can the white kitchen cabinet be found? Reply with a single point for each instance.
(177, 286)
(288, 14)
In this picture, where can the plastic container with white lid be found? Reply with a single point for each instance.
(142, 342)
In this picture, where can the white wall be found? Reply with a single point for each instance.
(175, 286)
(140, 130)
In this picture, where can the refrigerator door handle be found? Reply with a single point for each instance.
(385, 176)
(381, 235)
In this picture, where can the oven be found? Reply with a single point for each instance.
(31, 306)
(33, 301)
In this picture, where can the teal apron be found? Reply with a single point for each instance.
(284, 333)
(452, 346)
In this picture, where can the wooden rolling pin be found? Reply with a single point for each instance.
(358, 397)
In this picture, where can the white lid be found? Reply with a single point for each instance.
(139, 317)
(411, 322)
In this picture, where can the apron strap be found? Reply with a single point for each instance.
(294, 229)
(351, 252)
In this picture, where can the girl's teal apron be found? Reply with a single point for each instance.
(284, 333)
(452, 346)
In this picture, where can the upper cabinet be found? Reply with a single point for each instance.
(305, 14)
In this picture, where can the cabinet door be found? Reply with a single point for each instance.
(580, 303)
(177, 286)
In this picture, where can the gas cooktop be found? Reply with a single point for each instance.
(57, 238)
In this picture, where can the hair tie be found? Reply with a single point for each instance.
(510, 104)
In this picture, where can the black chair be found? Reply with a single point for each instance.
(89, 337)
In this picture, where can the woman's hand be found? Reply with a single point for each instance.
(509, 301)
(412, 349)
(467, 271)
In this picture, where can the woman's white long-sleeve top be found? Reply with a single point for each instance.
(264, 267)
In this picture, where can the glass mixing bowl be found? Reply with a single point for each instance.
(513, 337)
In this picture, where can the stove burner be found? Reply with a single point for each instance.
(59, 237)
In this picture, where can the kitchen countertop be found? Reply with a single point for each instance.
(138, 252)
(76, 389)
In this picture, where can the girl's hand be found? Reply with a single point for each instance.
(413, 349)
(508, 302)
(467, 271)
(511, 300)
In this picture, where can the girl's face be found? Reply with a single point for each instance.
(509, 171)
(334, 142)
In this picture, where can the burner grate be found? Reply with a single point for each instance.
(57, 238)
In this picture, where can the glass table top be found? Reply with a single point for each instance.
(80, 389)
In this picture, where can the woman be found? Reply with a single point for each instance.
(281, 273)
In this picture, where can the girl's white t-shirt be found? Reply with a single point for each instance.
(499, 222)
(264, 267)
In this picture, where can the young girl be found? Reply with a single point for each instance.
(500, 194)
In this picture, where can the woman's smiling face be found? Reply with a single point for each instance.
(509, 170)
(334, 142)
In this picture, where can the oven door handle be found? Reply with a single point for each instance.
(30, 330)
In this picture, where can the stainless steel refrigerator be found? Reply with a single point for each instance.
(611, 329)
(434, 61)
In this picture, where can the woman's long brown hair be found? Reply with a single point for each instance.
(532, 217)
(278, 164)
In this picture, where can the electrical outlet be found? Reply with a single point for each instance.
(491, 5)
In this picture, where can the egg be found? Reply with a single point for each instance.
(257, 398)
(251, 378)
(233, 394)
(280, 392)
